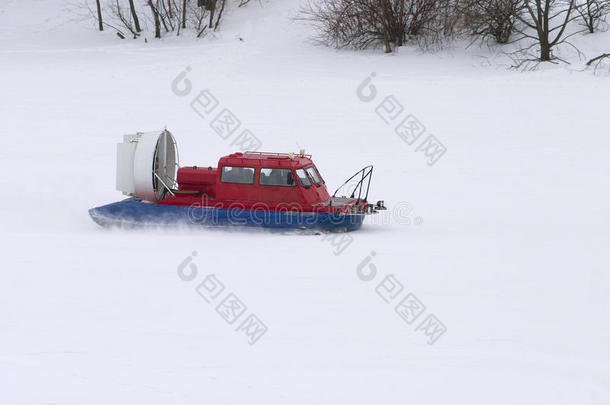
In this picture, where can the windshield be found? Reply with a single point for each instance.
(314, 175)
(319, 175)
(303, 179)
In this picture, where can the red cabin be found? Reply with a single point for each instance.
(254, 179)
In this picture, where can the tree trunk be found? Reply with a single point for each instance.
(543, 36)
(222, 8)
(134, 15)
(184, 14)
(212, 10)
(163, 15)
(590, 23)
(156, 18)
(99, 15)
(545, 51)
(386, 41)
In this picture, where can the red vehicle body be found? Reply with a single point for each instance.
(205, 186)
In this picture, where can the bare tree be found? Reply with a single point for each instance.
(490, 18)
(545, 22)
(358, 24)
(170, 12)
(134, 15)
(222, 9)
(123, 20)
(210, 5)
(443, 22)
(418, 14)
(99, 15)
(102, 19)
(156, 18)
(598, 61)
(197, 15)
(592, 13)
(165, 15)
(363, 23)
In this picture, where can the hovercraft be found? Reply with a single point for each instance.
(272, 190)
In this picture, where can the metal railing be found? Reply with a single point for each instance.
(366, 173)
(277, 155)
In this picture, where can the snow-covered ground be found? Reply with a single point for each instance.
(504, 239)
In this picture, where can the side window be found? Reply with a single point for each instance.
(276, 177)
(237, 174)
(303, 179)
(314, 175)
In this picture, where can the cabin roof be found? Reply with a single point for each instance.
(266, 159)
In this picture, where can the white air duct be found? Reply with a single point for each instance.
(146, 165)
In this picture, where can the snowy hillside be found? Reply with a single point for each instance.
(502, 238)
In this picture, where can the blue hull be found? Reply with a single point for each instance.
(133, 213)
